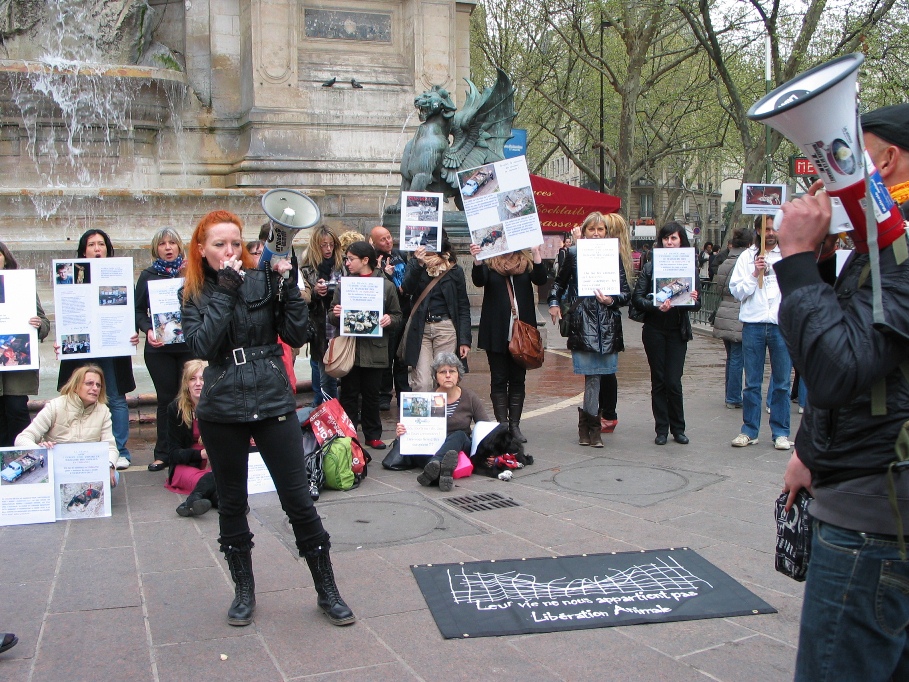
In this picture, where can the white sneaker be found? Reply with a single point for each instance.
(122, 463)
(743, 441)
(801, 410)
(782, 443)
(768, 409)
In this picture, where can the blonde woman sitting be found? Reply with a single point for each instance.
(79, 415)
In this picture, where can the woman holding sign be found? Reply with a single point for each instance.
(502, 278)
(16, 386)
(666, 333)
(232, 315)
(594, 325)
(165, 350)
(362, 385)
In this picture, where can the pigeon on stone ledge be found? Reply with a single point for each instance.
(356, 84)
(329, 82)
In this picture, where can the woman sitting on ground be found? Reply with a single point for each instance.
(79, 415)
(189, 473)
(463, 408)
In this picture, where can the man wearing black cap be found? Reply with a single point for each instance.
(856, 604)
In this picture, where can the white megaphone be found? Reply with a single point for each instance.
(289, 211)
(817, 111)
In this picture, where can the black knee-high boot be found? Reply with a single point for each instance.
(500, 406)
(515, 408)
(239, 561)
(323, 577)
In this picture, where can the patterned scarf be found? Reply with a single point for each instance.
(168, 268)
(436, 263)
(509, 264)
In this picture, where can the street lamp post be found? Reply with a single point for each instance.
(603, 25)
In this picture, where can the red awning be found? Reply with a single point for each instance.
(562, 207)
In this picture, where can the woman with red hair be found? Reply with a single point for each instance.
(232, 316)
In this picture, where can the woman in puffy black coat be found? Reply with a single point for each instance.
(506, 377)
(666, 333)
(232, 316)
(595, 328)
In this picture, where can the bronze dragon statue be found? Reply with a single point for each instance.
(478, 133)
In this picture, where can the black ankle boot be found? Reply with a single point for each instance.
(240, 563)
(323, 577)
(515, 408)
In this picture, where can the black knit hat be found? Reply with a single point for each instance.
(890, 124)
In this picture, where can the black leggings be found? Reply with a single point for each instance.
(609, 396)
(280, 442)
(166, 371)
(505, 375)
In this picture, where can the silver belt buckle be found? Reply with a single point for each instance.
(239, 356)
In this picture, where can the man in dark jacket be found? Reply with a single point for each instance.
(392, 263)
(856, 602)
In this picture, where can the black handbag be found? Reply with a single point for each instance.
(793, 536)
(395, 461)
(635, 313)
(565, 320)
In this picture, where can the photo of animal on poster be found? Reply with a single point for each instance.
(492, 240)
(758, 199)
(478, 182)
(15, 350)
(169, 327)
(361, 323)
(422, 209)
(81, 500)
(516, 203)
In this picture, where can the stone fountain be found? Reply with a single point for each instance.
(128, 115)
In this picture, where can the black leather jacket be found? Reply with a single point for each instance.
(676, 318)
(593, 327)
(220, 323)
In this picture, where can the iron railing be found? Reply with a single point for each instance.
(711, 295)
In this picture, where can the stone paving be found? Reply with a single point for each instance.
(143, 595)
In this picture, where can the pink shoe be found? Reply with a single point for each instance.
(608, 425)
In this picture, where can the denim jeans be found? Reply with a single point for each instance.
(324, 386)
(855, 610)
(734, 368)
(756, 339)
(116, 403)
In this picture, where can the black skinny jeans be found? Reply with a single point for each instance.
(166, 370)
(609, 396)
(666, 351)
(280, 442)
(505, 375)
(363, 383)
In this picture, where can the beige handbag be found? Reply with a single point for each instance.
(340, 355)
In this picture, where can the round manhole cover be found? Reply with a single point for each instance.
(372, 522)
(610, 479)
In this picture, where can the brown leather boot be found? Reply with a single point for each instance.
(583, 428)
(593, 421)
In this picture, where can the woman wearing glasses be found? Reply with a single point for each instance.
(363, 382)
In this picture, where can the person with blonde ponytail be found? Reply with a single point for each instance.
(518, 272)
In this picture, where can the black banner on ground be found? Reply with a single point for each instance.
(547, 594)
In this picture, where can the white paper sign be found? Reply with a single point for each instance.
(501, 212)
(93, 302)
(362, 305)
(842, 255)
(423, 415)
(258, 479)
(81, 480)
(598, 267)
(674, 272)
(18, 339)
(421, 221)
(164, 306)
(26, 487)
(758, 199)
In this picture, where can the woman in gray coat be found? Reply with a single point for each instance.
(15, 387)
(726, 325)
